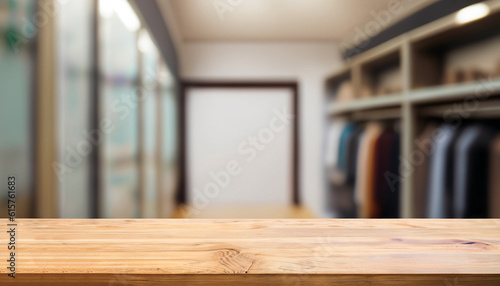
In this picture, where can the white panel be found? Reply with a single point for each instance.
(220, 124)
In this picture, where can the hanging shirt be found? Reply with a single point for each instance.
(381, 165)
(352, 155)
(364, 187)
(342, 188)
(471, 172)
(340, 175)
(387, 175)
(441, 172)
(332, 148)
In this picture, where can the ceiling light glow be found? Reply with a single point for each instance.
(472, 13)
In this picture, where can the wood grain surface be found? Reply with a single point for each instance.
(254, 252)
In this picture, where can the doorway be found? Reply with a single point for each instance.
(239, 145)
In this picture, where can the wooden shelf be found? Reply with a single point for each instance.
(489, 109)
(430, 95)
(383, 101)
(454, 92)
(256, 252)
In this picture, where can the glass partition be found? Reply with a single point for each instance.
(149, 120)
(17, 89)
(119, 156)
(74, 82)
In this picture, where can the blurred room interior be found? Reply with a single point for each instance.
(250, 108)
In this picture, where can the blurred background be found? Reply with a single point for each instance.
(250, 108)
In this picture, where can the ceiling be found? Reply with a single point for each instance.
(280, 20)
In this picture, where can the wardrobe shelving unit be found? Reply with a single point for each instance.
(418, 58)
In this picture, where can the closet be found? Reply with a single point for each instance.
(443, 76)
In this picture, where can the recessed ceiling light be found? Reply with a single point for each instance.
(472, 12)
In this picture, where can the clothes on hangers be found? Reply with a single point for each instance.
(351, 169)
(457, 176)
(461, 174)
(364, 186)
(361, 168)
(334, 130)
(352, 155)
(387, 177)
(471, 172)
(381, 164)
(341, 198)
(345, 140)
(345, 196)
(344, 189)
(440, 185)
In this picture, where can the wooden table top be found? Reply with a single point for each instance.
(254, 251)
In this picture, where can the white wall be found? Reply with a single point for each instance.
(304, 62)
